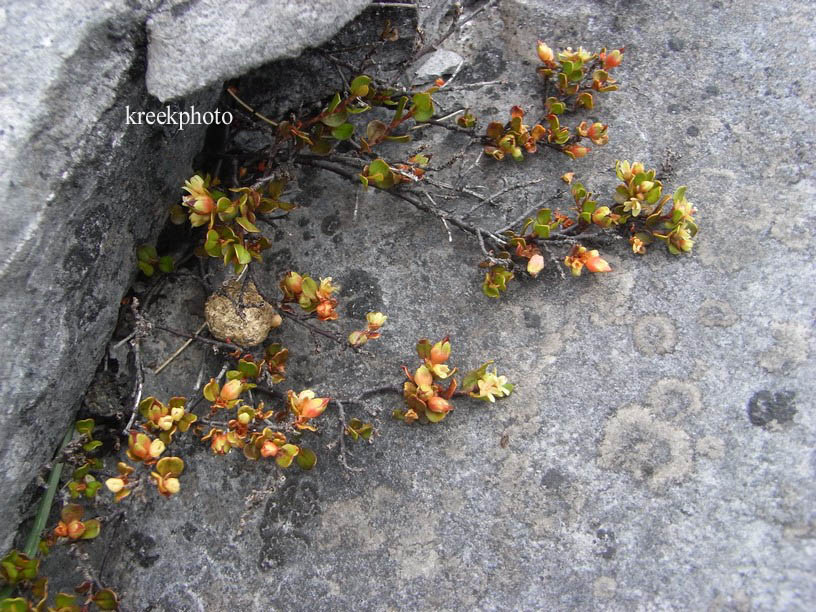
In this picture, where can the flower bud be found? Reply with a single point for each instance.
(75, 529)
(231, 390)
(611, 59)
(440, 352)
(156, 448)
(535, 265)
(576, 151)
(375, 320)
(601, 216)
(357, 338)
(171, 485)
(545, 54)
(204, 205)
(269, 449)
(439, 404)
(293, 283)
(115, 485)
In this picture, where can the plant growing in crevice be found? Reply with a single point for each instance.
(336, 140)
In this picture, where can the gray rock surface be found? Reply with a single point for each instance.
(437, 64)
(193, 44)
(80, 190)
(658, 452)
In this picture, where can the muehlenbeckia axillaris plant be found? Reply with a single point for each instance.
(150, 261)
(72, 526)
(311, 295)
(166, 420)
(429, 400)
(232, 234)
(638, 206)
(374, 323)
(306, 406)
(574, 78)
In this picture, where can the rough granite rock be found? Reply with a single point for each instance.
(658, 450)
(80, 190)
(195, 43)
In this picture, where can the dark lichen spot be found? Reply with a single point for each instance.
(552, 479)
(279, 259)
(693, 131)
(532, 319)
(712, 90)
(307, 235)
(606, 540)
(142, 546)
(294, 507)
(330, 225)
(765, 407)
(362, 294)
(676, 44)
(488, 65)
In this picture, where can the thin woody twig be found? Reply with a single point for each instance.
(489, 199)
(553, 259)
(527, 214)
(315, 330)
(178, 352)
(216, 343)
(415, 201)
(137, 393)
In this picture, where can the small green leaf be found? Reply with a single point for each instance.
(335, 101)
(170, 466)
(306, 459)
(356, 110)
(343, 132)
(359, 86)
(434, 417)
(92, 529)
(242, 254)
(309, 287)
(85, 426)
(249, 369)
(423, 107)
(247, 225)
(18, 604)
(64, 600)
(542, 231)
(91, 446)
(211, 390)
(166, 264)
(106, 600)
(473, 376)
